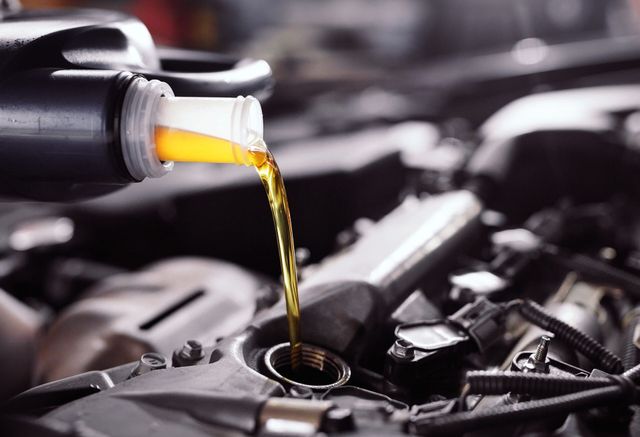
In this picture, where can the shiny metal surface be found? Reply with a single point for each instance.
(278, 358)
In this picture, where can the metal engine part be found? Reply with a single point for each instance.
(19, 327)
(154, 310)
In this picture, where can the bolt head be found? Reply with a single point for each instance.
(403, 349)
(192, 350)
(338, 419)
(149, 362)
(153, 361)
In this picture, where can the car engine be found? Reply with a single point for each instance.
(469, 264)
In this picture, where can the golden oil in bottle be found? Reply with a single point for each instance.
(180, 145)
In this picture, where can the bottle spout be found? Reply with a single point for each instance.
(202, 129)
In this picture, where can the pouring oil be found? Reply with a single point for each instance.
(181, 145)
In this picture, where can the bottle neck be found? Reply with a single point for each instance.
(137, 124)
(208, 129)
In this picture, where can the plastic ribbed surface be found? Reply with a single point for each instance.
(137, 128)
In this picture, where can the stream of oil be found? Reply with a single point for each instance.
(180, 145)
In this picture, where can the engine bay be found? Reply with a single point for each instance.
(420, 317)
(470, 268)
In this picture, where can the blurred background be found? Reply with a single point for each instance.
(402, 29)
(380, 31)
(406, 48)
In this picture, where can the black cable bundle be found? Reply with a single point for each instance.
(534, 384)
(619, 389)
(571, 394)
(583, 343)
(452, 424)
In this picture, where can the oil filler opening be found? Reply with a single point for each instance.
(318, 370)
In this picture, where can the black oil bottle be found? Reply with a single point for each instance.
(69, 80)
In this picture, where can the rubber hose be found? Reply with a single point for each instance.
(629, 349)
(583, 343)
(534, 384)
(453, 424)
(633, 374)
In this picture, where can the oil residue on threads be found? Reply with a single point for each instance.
(180, 145)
